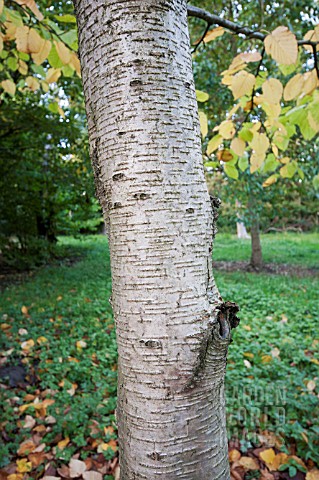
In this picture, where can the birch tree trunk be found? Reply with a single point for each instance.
(172, 328)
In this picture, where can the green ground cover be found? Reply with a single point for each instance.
(58, 327)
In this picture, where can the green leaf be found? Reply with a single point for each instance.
(38, 69)
(54, 59)
(24, 56)
(65, 18)
(243, 163)
(231, 171)
(211, 164)
(15, 17)
(12, 63)
(53, 107)
(288, 170)
(53, 25)
(292, 471)
(71, 39)
(287, 69)
(271, 163)
(67, 71)
(301, 173)
(246, 134)
(315, 181)
(201, 96)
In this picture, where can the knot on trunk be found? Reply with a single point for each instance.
(215, 203)
(227, 318)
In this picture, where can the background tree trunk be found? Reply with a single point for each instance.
(146, 153)
(256, 259)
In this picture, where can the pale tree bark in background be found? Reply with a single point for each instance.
(172, 328)
(241, 229)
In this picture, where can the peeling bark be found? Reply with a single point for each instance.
(146, 153)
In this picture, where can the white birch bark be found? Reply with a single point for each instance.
(146, 152)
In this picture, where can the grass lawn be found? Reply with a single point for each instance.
(57, 329)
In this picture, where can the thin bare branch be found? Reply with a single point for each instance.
(213, 19)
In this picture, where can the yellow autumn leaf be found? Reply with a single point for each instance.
(282, 46)
(248, 355)
(313, 36)
(213, 144)
(203, 124)
(81, 344)
(64, 52)
(32, 6)
(272, 90)
(10, 31)
(233, 110)
(227, 129)
(43, 52)
(227, 79)
(284, 160)
(236, 65)
(105, 446)
(41, 340)
(8, 86)
(212, 34)
(268, 456)
(272, 111)
(242, 84)
(32, 83)
(256, 161)
(63, 443)
(238, 146)
(266, 358)
(294, 87)
(75, 63)
(234, 455)
(259, 143)
(53, 75)
(1, 6)
(34, 41)
(21, 36)
(250, 56)
(270, 181)
(310, 82)
(23, 466)
(279, 460)
(27, 345)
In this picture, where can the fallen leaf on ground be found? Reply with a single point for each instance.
(268, 456)
(313, 474)
(77, 468)
(234, 455)
(63, 443)
(92, 475)
(24, 466)
(26, 447)
(29, 422)
(248, 463)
